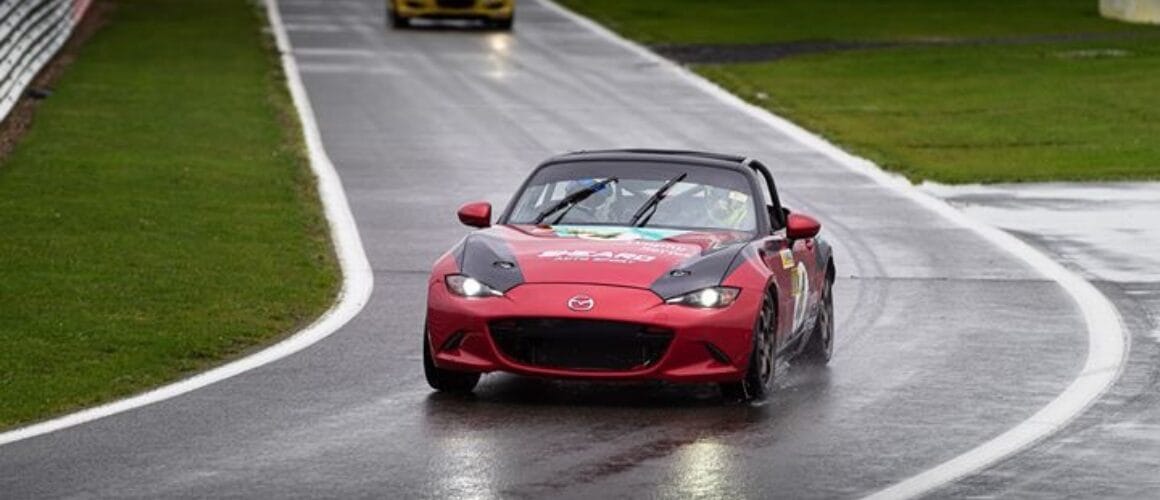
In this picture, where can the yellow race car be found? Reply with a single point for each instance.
(497, 13)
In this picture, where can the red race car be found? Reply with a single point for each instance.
(633, 265)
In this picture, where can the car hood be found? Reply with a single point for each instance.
(506, 256)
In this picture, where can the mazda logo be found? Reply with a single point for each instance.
(581, 303)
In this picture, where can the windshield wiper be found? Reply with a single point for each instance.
(572, 199)
(653, 201)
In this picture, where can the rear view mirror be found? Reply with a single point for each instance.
(476, 214)
(801, 226)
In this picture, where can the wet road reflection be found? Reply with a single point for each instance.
(508, 438)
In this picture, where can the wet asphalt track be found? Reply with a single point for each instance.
(943, 340)
(1109, 234)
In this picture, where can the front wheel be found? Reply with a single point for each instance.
(446, 380)
(759, 375)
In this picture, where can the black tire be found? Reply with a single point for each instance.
(446, 380)
(762, 370)
(503, 24)
(396, 21)
(820, 346)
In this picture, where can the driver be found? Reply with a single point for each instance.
(727, 208)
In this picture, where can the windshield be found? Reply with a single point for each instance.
(637, 194)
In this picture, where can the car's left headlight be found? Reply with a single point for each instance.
(466, 286)
(714, 297)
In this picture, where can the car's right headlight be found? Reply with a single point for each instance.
(466, 286)
(709, 298)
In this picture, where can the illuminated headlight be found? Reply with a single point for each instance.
(466, 286)
(715, 297)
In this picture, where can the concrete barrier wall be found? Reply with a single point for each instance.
(31, 32)
(1135, 11)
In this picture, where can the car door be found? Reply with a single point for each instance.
(780, 257)
(777, 255)
(805, 277)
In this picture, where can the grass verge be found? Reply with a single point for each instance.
(766, 21)
(1075, 110)
(159, 216)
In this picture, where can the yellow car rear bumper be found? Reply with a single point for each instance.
(479, 9)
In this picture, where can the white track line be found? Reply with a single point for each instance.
(1107, 343)
(356, 270)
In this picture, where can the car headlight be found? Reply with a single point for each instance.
(714, 297)
(466, 286)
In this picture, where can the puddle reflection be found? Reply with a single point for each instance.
(533, 437)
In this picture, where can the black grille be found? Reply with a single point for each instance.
(455, 4)
(580, 344)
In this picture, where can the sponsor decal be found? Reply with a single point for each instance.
(595, 256)
(786, 259)
(666, 249)
(645, 244)
(615, 233)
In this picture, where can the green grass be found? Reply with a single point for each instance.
(987, 114)
(159, 217)
(1054, 111)
(760, 21)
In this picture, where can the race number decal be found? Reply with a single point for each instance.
(801, 293)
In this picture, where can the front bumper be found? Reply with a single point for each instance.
(461, 336)
(478, 9)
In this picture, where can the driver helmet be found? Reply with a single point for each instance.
(726, 207)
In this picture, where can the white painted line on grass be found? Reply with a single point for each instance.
(357, 283)
(1107, 343)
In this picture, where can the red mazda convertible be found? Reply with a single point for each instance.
(633, 265)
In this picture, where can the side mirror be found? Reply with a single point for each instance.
(476, 214)
(801, 226)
